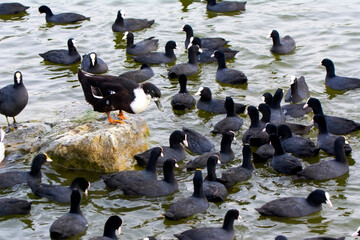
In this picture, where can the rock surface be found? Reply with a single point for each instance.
(88, 142)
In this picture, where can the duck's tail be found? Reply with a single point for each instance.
(87, 89)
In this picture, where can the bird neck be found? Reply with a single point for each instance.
(330, 70)
(221, 62)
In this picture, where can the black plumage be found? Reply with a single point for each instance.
(13, 98)
(183, 100)
(197, 143)
(63, 56)
(12, 8)
(122, 24)
(227, 75)
(13, 206)
(112, 225)
(141, 47)
(189, 68)
(210, 43)
(118, 94)
(93, 64)
(61, 18)
(283, 45)
(144, 73)
(231, 122)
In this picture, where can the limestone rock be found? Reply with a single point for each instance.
(87, 142)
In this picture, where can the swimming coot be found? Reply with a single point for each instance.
(213, 189)
(155, 188)
(241, 173)
(10, 179)
(122, 24)
(255, 136)
(93, 64)
(284, 45)
(183, 100)
(336, 82)
(231, 122)
(226, 232)
(227, 75)
(225, 6)
(141, 47)
(13, 206)
(328, 169)
(209, 43)
(326, 140)
(189, 68)
(158, 57)
(210, 104)
(296, 206)
(225, 155)
(197, 143)
(63, 56)
(125, 178)
(112, 225)
(298, 91)
(139, 76)
(72, 223)
(12, 8)
(186, 207)
(174, 150)
(61, 18)
(59, 193)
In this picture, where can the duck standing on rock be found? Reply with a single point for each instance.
(118, 94)
(13, 98)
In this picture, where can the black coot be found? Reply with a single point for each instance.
(112, 225)
(296, 206)
(255, 136)
(141, 47)
(12, 8)
(283, 45)
(122, 24)
(61, 18)
(144, 73)
(186, 207)
(225, 6)
(189, 68)
(63, 56)
(93, 64)
(13, 206)
(210, 43)
(227, 75)
(183, 100)
(158, 57)
(197, 143)
(231, 122)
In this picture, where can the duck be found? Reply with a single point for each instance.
(188, 69)
(255, 135)
(326, 140)
(14, 206)
(156, 188)
(283, 162)
(298, 146)
(183, 100)
(186, 207)
(209, 43)
(10, 179)
(58, 193)
(231, 122)
(226, 232)
(2, 145)
(324, 170)
(335, 125)
(63, 56)
(141, 47)
(174, 150)
(283, 45)
(296, 206)
(213, 189)
(209, 104)
(93, 64)
(225, 6)
(130, 177)
(122, 24)
(61, 18)
(242, 173)
(112, 225)
(225, 154)
(118, 94)
(197, 143)
(72, 223)
(206, 55)
(12, 8)
(158, 57)
(13, 99)
(337, 82)
(227, 75)
(298, 91)
(139, 76)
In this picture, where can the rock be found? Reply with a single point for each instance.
(89, 142)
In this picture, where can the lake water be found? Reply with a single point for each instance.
(322, 29)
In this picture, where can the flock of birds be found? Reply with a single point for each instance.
(272, 136)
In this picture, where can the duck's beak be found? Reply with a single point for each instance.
(158, 104)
